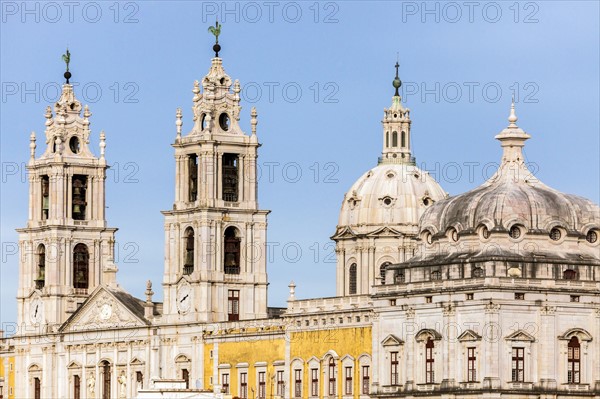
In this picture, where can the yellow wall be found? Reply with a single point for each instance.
(343, 341)
(250, 350)
(8, 373)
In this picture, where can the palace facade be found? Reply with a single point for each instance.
(494, 293)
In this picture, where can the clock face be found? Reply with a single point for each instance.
(36, 311)
(184, 298)
(105, 311)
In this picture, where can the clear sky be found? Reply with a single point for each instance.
(320, 75)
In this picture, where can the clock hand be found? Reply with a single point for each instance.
(184, 298)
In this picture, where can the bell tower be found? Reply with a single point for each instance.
(66, 248)
(215, 235)
(396, 129)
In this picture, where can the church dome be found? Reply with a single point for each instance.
(387, 195)
(514, 202)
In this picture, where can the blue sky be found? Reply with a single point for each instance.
(320, 75)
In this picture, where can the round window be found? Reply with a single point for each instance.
(515, 232)
(555, 234)
(591, 237)
(485, 232)
(74, 145)
(387, 201)
(224, 121)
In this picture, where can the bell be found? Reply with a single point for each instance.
(230, 260)
(76, 209)
(76, 191)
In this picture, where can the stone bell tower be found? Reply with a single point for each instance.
(66, 248)
(215, 235)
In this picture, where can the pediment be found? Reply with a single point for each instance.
(469, 335)
(106, 308)
(392, 340)
(520, 335)
(385, 231)
(344, 232)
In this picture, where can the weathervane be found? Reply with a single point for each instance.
(67, 59)
(216, 30)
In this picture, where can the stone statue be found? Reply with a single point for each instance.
(122, 385)
(91, 385)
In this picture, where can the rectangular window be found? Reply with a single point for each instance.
(365, 380)
(298, 383)
(519, 296)
(471, 370)
(332, 381)
(262, 385)
(233, 305)
(230, 177)
(185, 375)
(518, 364)
(45, 197)
(574, 359)
(314, 382)
(428, 299)
(76, 387)
(78, 197)
(394, 368)
(574, 298)
(225, 383)
(348, 381)
(243, 385)
(470, 296)
(280, 384)
(429, 362)
(193, 177)
(37, 388)
(139, 378)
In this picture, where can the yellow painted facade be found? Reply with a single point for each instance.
(7, 375)
(251, 353)
(345, 347)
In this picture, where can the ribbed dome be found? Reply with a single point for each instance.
(513, 196)
(387, 195)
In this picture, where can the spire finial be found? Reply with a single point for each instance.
(32, 144)
(512, 117)
(397, 82)
(67, 59)
(216, 30)
(178, 122)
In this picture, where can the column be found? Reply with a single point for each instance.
(241, 178)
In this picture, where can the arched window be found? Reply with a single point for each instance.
(188, 264)
(387, 139)
(429, 362)
(40, 281)
(352, 278)
(382, 272)
(106, 379)
(81, 260)
(232, 251)
(403, 139)
(79, 197)
(394, 139)
(570, 274)
(573, 361)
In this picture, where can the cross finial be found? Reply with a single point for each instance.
(397, 82)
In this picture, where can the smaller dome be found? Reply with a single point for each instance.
(389, 194)
(513, 197)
